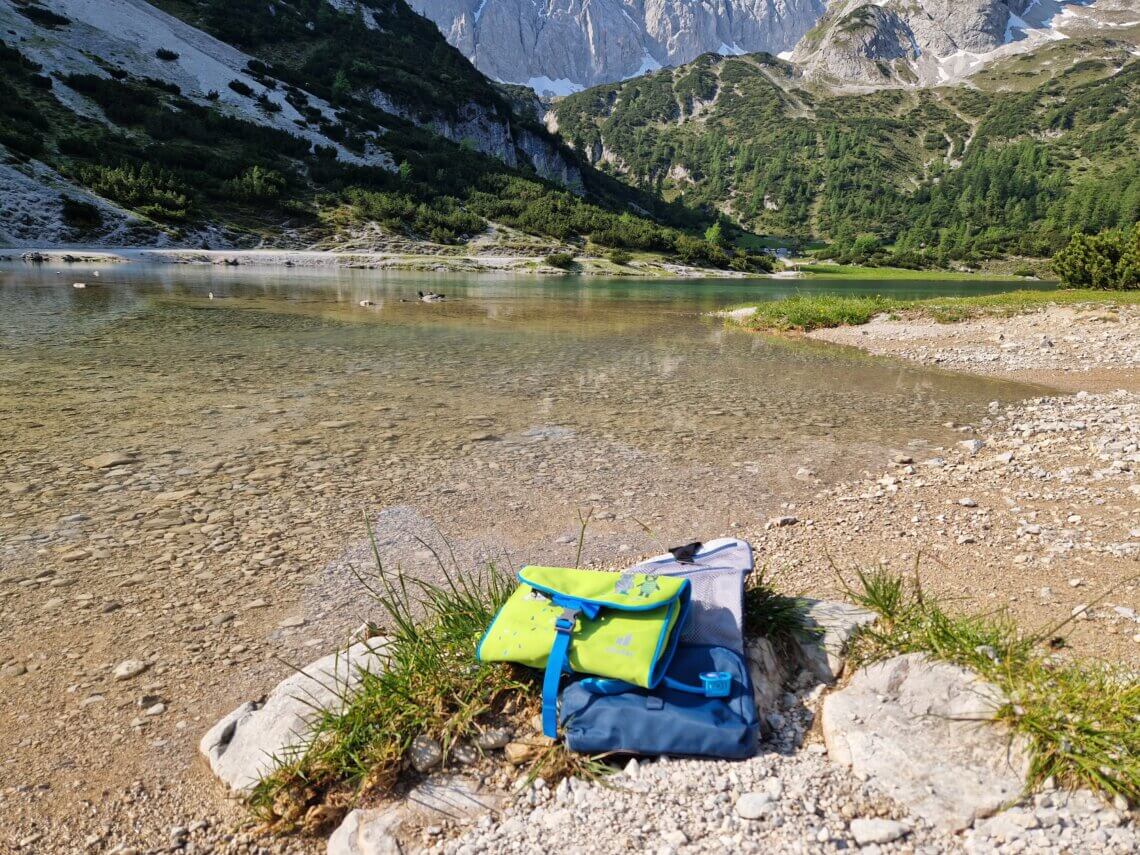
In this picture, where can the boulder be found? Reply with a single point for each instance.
(245, 745)
(924, 732)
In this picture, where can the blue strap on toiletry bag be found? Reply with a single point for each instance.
(597, 718)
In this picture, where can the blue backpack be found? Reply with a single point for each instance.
(704, 707)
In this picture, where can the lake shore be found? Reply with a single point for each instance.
(1091, 347)
(642, 265)
(479, 258)
(1036, 509)
(211, 549)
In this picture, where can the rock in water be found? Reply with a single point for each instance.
(241, 746)
(923, 731)
(129, 668)
(111, 458)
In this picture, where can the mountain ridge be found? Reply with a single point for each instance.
(1037, 146)
(124, 122)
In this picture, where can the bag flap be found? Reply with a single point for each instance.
(629, 591)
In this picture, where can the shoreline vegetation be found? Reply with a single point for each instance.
(637, 265)
(807, 312)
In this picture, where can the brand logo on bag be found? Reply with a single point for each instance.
(620, 647)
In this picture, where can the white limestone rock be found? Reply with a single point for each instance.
(376, 831)
(923, 731)
(831, 626)
(242, 746)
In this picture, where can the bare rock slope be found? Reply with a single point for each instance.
(563, 47)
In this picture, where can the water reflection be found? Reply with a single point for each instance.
(634, 360)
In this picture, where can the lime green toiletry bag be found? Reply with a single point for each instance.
(619, 625)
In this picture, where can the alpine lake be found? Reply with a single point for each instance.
(266, 414)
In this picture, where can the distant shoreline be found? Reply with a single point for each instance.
(642, 266)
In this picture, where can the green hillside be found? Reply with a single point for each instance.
(955, 174)
(184, 164)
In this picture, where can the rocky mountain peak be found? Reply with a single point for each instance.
(932, 42)
(561, 46)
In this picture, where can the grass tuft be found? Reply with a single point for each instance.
(433, 686)
(772, 615)
(806, 312)
(1081, 719)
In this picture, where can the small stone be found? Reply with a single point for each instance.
(129, 668)
(14, 669)
(967, 503)
(335, 424)
(425, 754)
(867, 831)
(781, 522)
(156, 709)
(754, 805)
(972, 445)
(466, 753)
(518, 753)
(675, 838)
(494, 739)
(75, 555)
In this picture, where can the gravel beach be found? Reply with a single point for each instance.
(173, 590)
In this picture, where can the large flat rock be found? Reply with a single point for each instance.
(245, 745)
(924, 732)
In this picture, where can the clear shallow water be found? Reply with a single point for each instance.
(145, 348)
(534, 395)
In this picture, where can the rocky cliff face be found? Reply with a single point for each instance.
(560, 46)
(916, 42)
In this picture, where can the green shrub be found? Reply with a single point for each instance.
(256, 184)
(241, 88)
(1107, 261)
(80, 215)
(267, 104)
(620, 256)
(152, 192)
(564, 260)
(44, 17)
(166, 55)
